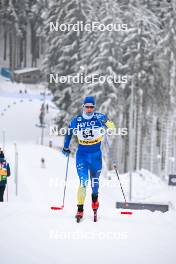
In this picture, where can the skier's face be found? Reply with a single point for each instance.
(88, 108)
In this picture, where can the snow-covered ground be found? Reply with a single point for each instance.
(31, 233)
(19, 113)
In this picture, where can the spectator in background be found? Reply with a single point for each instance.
(4, 173)
(47, 108)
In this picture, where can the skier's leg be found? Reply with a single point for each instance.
(2, 189)
(81, 195)
(82, 170)
(95, 187)
(94, 176)
(95, 171)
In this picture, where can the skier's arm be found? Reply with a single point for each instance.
(67, 140)
(106, 122)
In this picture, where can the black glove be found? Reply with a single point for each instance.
(66, 151)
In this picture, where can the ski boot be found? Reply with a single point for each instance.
(79, 214)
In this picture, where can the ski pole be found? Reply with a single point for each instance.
(65, 186)
(65, 181)
(115, 168)
(117, 173)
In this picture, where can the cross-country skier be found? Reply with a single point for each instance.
(4, 173)
(88, 127)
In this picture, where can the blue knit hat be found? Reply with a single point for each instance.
(89, 99)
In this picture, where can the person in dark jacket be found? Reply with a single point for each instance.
(4, 173)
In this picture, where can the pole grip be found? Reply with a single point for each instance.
(114, 166)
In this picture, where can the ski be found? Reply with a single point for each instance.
(95, 215)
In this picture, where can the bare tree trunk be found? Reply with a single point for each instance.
(33, 47)
(139, 128)
(10, 50)
(153, 142)
(126, 144)
(139, 100)
(5, 42)
(25, 49)
(14, 51)
(166, 169)
(131, 141)
(174, 148)
(20, 52)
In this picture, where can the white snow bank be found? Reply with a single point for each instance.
(35, 234)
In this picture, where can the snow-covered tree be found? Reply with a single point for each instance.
(63, 51)
(16, 17)
(145, 52)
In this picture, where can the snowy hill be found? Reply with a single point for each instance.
(31, 233)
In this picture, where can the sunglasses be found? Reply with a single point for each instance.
(89, 106)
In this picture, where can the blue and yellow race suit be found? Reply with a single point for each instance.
(89, 155)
